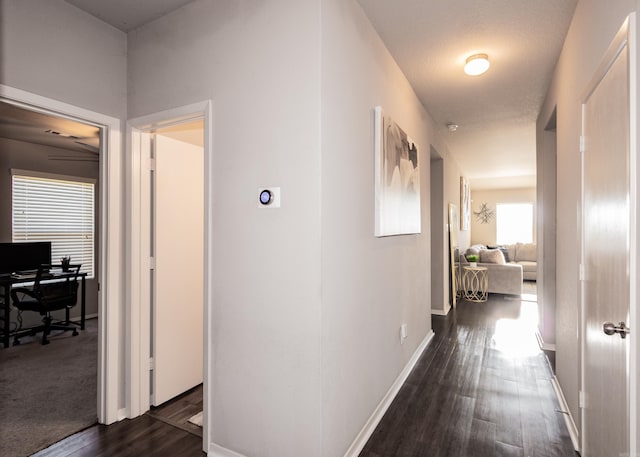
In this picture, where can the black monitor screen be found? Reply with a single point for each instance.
(24, 256)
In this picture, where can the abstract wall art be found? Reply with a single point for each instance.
(397, 179)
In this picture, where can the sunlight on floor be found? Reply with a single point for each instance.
(516, 337)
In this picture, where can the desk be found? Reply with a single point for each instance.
(7, 282)
(475, 284)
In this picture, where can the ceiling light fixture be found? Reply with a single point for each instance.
(476, 64)
(452, 127)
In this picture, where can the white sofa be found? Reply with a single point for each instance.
(503, 278)
(526, 255)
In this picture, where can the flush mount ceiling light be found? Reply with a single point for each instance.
(452, 127)
(476, 64)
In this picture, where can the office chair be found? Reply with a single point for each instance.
(47, 297)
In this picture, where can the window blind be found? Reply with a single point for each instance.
(59, 211)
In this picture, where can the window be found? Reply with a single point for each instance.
(514, 223)
(56, 210)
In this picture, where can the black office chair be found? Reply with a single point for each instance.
(47, 297)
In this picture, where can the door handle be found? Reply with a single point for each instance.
(621, 329)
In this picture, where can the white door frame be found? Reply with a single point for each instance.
(111, 246)
(626, 36)
(138, 315)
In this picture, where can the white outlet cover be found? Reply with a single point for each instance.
(275, 197)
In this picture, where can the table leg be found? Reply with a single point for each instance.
(83, 302)
(7, 315)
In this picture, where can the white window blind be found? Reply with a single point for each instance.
(59, 211)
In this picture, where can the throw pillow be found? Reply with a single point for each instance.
(505, 253)
(492, 256)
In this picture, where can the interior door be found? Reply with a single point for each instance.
(606, 257)
(177, 311)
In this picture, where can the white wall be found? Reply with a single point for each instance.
(260, 64)
(594, 25)
(445, 192)
(486, 233)
(370, 286)
(53, 49)
(439, 236)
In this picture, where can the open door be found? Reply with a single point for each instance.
(178, 282)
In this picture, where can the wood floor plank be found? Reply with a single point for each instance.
(481, 389)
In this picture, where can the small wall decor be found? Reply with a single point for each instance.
(397, 179)
(465, 204)
(485, 215)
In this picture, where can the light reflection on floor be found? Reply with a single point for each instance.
(517, 337)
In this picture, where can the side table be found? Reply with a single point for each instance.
(475, 284)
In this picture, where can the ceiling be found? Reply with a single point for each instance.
(25, 125)
(496, 112)
(127, 15)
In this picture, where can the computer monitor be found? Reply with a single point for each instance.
(24, 256)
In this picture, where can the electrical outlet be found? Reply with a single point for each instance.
(403, 333)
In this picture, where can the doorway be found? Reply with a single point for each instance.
(144, 338)
(109, 246)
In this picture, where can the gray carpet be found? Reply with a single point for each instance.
(47, 392)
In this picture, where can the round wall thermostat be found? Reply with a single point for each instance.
(266, 197)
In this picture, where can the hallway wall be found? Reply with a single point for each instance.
(370, 286)
(594, 25)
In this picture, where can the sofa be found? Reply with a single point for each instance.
(504, 278)
(524, 254)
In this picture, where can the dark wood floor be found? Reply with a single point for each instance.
(162, 432)
(481, 389)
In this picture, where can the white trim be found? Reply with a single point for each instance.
(544, 346)
(441, 312)
(111, 246)
(634, 241)
(373, 421)
(56, 176)
(215, 450)
(566, 412)
(138, 219)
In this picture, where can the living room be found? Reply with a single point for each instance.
(504, 220)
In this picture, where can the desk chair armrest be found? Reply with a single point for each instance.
(23, 291)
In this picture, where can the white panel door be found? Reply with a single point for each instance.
(177, 312)
(606, 254)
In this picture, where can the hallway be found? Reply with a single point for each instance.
(481, 389)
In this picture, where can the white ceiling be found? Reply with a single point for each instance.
(496, 111)
(128, 14)
(430, 40)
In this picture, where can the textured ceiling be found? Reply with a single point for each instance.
(496, 111)
(24, 125)
(128, 14)
(430, 40)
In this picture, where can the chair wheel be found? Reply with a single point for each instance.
(75, 332)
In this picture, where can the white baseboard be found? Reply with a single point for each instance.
(215, 450)
(442, 312)
(566, 412)
(122, 414)
(373, 421)
(544, 346)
